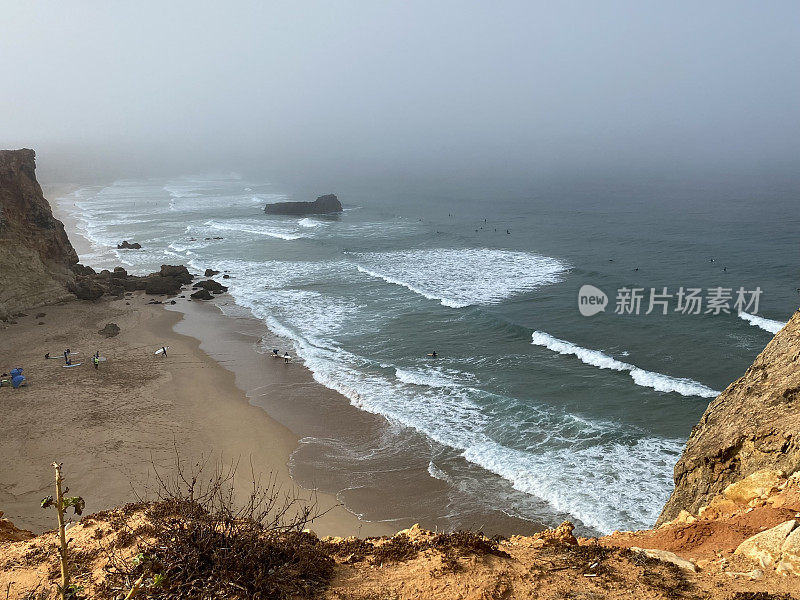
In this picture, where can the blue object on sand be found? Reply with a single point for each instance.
(15, 372)
(18, 380)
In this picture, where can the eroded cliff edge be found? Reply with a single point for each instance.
(35, 254)
(753, 425)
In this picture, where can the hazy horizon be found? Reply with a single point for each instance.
(327, 92)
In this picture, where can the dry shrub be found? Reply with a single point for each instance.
(201, 543)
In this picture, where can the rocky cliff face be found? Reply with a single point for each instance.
(35, 254)
(753, 425)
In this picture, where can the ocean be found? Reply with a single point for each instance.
(531, 412)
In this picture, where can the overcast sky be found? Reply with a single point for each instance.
(364, 86)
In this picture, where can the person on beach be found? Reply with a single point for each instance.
(164, 351)
(275, 352)
(66, 356)
(47, 355)
(286, 357)
(96, 361)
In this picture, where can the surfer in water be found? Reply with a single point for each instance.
(286, 357)
(433, 354)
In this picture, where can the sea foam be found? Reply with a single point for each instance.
(462, 277)
(595, 358)
(765, 324)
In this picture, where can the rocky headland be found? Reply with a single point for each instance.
(752, 425)
(38, 264)
(36, 257)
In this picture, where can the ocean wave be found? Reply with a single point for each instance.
(595, 358)
(434, 377)
(462, 277)
(306, 222)
(255, 228)
(576, 464)
(765, 324)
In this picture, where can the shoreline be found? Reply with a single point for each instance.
(346, 452)
(136, 409)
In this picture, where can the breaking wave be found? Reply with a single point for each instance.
(595, 358)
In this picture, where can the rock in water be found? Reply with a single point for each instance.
(323, 205)
(212, 286)
(127, 245)
(752, 426)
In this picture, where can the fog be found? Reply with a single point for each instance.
(365, 89)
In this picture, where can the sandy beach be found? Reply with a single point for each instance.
(107, 426)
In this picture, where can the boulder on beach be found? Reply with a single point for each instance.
(179, 272)
(321, 206)
(110, 330)
(86, 288)
(202, 294)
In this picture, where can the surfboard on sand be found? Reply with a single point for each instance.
(70, 366)
(160, 350)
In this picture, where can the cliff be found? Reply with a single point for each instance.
(753, 425)
(323, 205)
(35, 254)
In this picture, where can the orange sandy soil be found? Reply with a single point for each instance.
(535, 567)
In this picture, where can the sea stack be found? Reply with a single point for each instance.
(323, 205)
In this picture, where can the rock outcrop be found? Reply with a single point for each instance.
(35, 254)
(89, 285)
(323, 205)
(752, 426)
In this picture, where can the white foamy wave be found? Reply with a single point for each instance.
(434, 377)
(765, 324)
(254, 227)
(462, 277)
(576, 464)
(306, 222)
(595, 358)
(618, 469)
(437, 473)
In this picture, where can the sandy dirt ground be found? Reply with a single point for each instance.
(108, 426)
